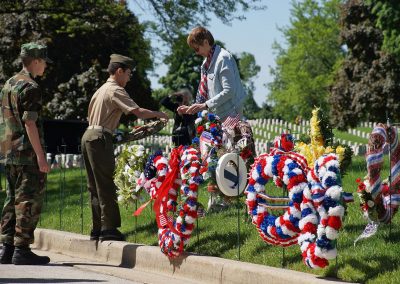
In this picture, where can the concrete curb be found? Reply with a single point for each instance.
(194, 268)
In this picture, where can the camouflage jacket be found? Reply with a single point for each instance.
(20, 100)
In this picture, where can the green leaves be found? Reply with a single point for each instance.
(174, 18)
(367, 84)
(79, 35)
(304, 70)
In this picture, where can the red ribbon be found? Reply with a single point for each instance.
(140, 209)
(162, 192)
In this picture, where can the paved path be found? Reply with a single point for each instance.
(146, 264)
(65, 269)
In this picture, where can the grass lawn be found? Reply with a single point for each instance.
(375, 260)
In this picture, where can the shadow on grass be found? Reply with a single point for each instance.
(217, 243)
(149, 228)
(387, 264)
(284, 256)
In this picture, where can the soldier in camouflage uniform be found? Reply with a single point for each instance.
(21, 148)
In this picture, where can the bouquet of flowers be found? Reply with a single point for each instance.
(129, 167)
(320, 143)
(372, 208)
(209, 140)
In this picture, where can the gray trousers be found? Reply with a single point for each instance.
(98, 154)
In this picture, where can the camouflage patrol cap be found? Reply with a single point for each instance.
(118, 58)
(35, 50)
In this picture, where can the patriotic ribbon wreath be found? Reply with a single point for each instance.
(314, 215)
(210, 123)
(183, 172)
(323, 206)
(155, 170)
(377, 201)
(283, 230)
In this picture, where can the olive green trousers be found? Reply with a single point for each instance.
(98, 154)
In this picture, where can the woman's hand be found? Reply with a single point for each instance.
(195, 108)
(182, 109)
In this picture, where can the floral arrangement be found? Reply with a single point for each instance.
(320, 143)
(154, 173)
(371, 207)
(211, 123)
(208, 122)
(314, 215)
(184, 172)
(377, 201)
(322, 212)
(276, 230)
(221, 143)
(129, 166)
(284, 142)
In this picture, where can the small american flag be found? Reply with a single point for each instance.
(162, 220)
(231, 121)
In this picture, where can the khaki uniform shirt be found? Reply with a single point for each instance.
(107, 105)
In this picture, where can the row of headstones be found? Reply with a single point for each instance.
(263, 122)
(150, 143)
(304, 123)
(64, 160)
(367, 124)
(155, 140)
(75, 161)
(273, 126)
(358, 133)
(270, 136)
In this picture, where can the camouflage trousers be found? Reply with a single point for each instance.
(23, 204)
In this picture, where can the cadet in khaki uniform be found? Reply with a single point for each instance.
(105, 110)
(26, 165)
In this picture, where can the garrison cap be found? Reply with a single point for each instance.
(35, 50)
(118, 58)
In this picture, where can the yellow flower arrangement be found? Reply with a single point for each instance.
(315, 131)
(316, 148)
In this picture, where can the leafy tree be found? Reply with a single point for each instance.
(367, 85)
(304, 70)
(80, 35)
(249, 69)
(266, 111)
(183, 67)
(177, 17)
(388, 20)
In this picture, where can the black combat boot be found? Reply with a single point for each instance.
(111, 235)
(6, 253)
(24, 256)
(94, 235)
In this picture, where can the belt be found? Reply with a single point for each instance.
(102, 128)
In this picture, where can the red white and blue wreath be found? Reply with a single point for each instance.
(323, 205)
(174, 233)
(209, 140)
(155, 170)
(315, 211)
